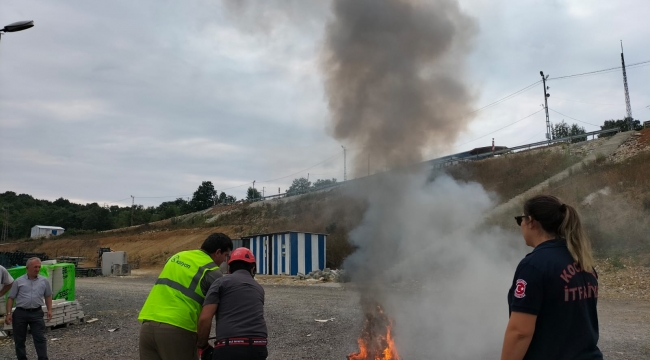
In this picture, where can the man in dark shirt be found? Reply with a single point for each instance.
(238, 302)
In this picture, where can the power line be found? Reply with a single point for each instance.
(603, 71)
(117, 201)
(530, 138)
(329, 173)
(573, 118)
(506, 98)
(586, 102)
(161, 197)
(302, 171)
(520, 120)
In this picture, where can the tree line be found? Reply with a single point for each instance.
(24, 211)
(563, 130)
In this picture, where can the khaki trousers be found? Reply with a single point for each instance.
(160, 341)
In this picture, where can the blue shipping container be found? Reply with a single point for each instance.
(288, 253)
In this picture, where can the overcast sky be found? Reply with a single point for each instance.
(103, 100)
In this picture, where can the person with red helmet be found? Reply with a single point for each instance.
(237, 303)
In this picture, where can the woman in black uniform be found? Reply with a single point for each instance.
(554, 291)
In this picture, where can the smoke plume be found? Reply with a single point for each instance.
(424, 254)
(394, 77)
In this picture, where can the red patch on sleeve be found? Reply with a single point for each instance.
(520, 289)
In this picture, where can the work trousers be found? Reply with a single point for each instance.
(240, 353)
(20, 320)
(160, 341)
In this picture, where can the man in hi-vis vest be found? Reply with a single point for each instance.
(169, 316)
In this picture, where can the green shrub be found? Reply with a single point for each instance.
(616, 262)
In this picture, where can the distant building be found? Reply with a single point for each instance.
(646, 124)
(46, 231)
(287, 252)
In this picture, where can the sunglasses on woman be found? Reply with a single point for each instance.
(520, 218)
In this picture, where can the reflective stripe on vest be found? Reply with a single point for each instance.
(176, 298)
(192, 291)
(185, 291)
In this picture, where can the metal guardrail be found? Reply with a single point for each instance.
(564, 139)
(521, 147)
(279, 196)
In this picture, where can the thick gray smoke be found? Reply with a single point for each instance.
(395, 82)
(424, 254)
(394, 77)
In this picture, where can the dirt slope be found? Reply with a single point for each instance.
(151, 248)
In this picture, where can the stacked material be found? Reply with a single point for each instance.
(63, 312)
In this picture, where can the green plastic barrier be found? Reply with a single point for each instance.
(61, 278)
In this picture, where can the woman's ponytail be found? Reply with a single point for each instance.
(576, 239)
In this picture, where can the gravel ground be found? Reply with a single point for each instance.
(625, 324)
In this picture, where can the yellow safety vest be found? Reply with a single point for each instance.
(176, 298)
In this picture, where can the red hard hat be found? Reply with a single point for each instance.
(242, 254)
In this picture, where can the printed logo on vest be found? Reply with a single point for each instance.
(176, 259)
(520, 289)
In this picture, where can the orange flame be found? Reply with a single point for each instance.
(376, 341)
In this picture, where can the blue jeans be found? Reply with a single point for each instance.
(20, 320)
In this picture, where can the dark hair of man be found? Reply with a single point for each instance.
(217, 241)
(240, 265)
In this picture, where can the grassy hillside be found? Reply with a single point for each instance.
(512, 174)
(613, 197)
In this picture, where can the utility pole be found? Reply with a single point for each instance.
(628, 107)
(546, 96)
(132, 207)
(345, 166)
(262, 191)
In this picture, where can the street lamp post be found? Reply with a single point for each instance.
(17, 26)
